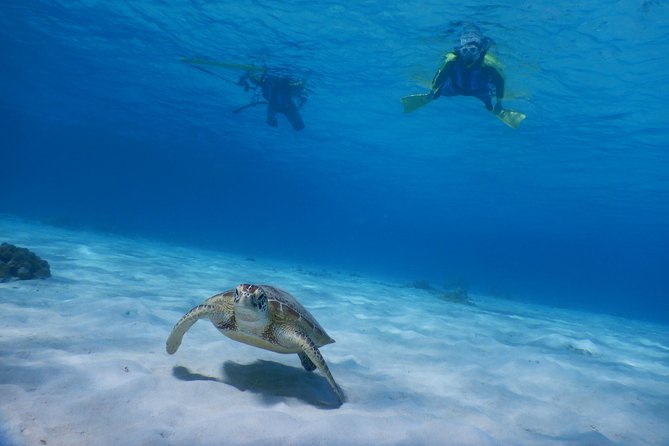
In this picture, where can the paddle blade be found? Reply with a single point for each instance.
(221, 64)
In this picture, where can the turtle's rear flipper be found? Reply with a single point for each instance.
(297, 337)
(306, 362)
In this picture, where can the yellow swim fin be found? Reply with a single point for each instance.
(415, 101)
(511, 118)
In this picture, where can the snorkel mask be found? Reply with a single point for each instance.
(472, 45)
(469, 53)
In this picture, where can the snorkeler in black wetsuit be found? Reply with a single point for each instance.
(280, 92)
(469, 70)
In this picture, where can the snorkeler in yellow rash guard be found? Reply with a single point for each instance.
(279, 92)
(469, 71)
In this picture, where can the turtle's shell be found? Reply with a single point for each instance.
(285, 309)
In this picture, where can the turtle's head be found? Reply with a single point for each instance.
(250, 303)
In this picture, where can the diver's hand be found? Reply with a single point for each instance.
(498, 108)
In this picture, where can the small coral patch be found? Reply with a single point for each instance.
(21, 263)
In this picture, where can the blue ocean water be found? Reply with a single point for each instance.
(104, 127)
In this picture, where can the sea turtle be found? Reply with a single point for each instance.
(266, 317)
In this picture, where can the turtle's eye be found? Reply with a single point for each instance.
(236, 295)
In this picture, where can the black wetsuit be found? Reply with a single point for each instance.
(479, 79)
(279, 92)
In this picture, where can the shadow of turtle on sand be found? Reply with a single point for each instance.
(182, 373)
(274, 381)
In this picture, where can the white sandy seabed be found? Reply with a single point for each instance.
(83, 361)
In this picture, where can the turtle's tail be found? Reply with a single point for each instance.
(186, 322)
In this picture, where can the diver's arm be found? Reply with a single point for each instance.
(298, 93)
(249, 78)
(301, 100)
(498, 81)
(442, 74)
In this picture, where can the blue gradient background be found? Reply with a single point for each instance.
(104, 127)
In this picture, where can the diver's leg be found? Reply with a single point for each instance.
(486, 99)
(293, 116)
(271, 116)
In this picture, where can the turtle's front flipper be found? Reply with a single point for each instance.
(186, 322)
(296, 336)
